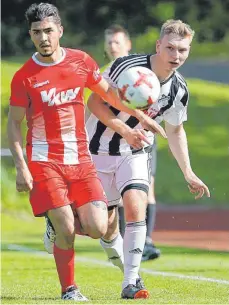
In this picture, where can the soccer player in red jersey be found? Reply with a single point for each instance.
(59, 174)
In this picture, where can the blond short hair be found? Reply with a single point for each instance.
(176, 27)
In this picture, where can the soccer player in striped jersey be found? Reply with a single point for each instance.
(118, 44)
(124, 170)
(60, 174)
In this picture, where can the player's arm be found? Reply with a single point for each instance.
(104, 92)
(178, 144)
(15, 118)
(134, 138)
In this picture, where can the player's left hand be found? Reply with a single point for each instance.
(136, 138)
(196, 186)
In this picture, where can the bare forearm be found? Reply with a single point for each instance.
(106, 116)
(16, 144)
(111, 97)
(179, 147)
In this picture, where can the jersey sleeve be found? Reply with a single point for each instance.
(87, 92)
(122, 64)
(112, 73)
(177, 114)
(94, 76)
(18, 95)
(106, 76)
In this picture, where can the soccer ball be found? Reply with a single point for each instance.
(138, 88)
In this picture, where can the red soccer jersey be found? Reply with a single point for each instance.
(53, 97)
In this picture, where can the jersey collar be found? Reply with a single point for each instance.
(34, 58)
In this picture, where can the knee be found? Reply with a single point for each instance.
(98, 230)
(112, 229)
(135, 212)
(112, 232)
(135, 202)
(132, 211)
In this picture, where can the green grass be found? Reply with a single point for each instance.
(207, 130)
(28, 278)
(33, 284)
(8, 68)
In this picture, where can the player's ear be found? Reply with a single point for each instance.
(105, 55)
(129, 45)
(158, 42)
(61, 29)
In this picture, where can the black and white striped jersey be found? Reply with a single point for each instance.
(171, 107)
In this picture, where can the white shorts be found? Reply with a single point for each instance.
(121, 173)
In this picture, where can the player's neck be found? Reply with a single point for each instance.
(56, 56)
(157, 67)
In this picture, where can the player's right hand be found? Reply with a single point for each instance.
(24, 180)
(150, 125)
(196, 186)
(137, 138)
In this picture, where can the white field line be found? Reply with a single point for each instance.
(5, 152)
(107, 264)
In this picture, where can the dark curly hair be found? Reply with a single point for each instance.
(38, 12)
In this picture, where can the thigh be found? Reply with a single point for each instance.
(93, 218)
(133, 173)
(87, 187)
(50, 190)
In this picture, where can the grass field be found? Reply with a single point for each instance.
(180, 276)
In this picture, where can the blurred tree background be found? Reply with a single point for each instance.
(85, 21)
